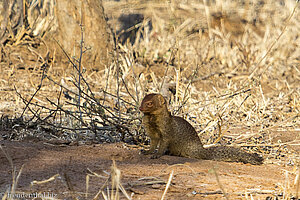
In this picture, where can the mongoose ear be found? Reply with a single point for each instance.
(161, 100)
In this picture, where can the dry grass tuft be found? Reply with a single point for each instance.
(109, 192)
(11, 192)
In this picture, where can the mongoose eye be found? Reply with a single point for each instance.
(149, 104)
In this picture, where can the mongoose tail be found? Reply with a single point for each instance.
(232, 154)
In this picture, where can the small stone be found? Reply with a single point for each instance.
(156, 186)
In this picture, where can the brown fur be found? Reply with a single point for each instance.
(178, 137)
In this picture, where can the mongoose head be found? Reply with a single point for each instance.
(153, 104)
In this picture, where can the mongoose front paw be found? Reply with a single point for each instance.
(155, 156)
(146, 152)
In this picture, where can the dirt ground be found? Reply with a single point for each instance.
(142, 177)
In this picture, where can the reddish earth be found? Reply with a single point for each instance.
(142, 177)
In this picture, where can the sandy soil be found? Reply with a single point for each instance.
(142, 177)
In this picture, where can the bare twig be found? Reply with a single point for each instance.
(168, 185)
(44, 67)
(219, 183)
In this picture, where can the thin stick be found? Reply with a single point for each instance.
(172, 56)
(79, 69)
(127, 90)
(168, 184)
(219, 183)
(74, 65)
(185, 99)
(39, 87)
(207, 13)
(118, 85)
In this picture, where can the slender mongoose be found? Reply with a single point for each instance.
(178, 137)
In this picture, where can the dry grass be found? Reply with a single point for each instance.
(236, 82)
(245, 78)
